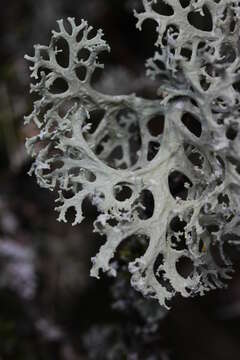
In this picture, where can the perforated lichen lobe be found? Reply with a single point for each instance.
(166, 170)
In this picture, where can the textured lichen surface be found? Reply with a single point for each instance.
(164, 170)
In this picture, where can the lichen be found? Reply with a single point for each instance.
(165, 169)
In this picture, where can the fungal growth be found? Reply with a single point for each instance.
(166, 170)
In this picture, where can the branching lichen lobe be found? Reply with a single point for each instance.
(166, 169)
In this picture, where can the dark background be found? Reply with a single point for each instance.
(48, 303)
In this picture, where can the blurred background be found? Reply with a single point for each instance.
(50, 308)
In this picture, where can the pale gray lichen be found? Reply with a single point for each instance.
(164, 169)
